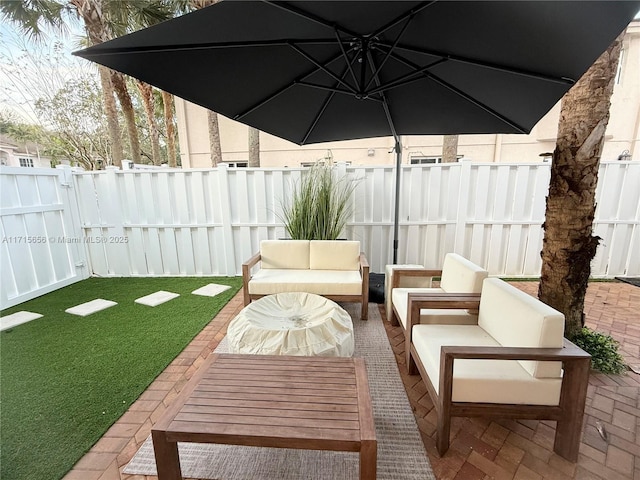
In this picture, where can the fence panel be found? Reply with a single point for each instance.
(40, 250)
(207, 222)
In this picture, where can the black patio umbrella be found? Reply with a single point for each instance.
(317, 71)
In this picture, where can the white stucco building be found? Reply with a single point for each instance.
(622, 136)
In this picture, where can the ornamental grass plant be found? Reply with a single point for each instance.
(320, 205)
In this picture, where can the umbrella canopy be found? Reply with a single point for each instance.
(316, 71)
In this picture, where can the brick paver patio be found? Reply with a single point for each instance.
(481, 449)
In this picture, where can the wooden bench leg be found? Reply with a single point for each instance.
(575, 381)
(443, 432)
(167, 460)
(368, 459)
(364, 313)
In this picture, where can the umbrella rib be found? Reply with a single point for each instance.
(322, 67)
(399, 19)
(325, 104)
(385, 104)
(101, 51)
(489, 65)
(344, 54)
(406, 79)
(280, 91)
(309, 16)
(384, 60)
(329, 89)
(462, 94)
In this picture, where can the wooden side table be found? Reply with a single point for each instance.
(318, 403)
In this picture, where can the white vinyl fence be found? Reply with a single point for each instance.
(38, 221)
(207, 222)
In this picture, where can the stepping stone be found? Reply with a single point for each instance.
(88, 308)
(17, 318)
(211, 290)
(157, 298)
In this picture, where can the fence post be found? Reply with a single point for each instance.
(224, 198)
(71, 216)
(463, 201)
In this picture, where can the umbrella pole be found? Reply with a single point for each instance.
(398, 149)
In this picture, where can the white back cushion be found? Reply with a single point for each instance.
(516, 319)
(334, 255)
(285, 254)
(459, 275)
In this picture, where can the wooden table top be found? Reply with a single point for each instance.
(276, 401)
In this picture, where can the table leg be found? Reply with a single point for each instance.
(167, 460)
(368, 459)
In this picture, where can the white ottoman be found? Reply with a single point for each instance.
(292, 324)
(406, 282)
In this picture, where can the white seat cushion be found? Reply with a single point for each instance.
(459, 275)
(320, 282)
(334, 255)
(284, 254)
(400, 298)
(490, 381)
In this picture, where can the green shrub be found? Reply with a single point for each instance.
(603, 349)
(320, 205)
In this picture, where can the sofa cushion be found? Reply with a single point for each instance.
(491, 381)
(334, 255)
(516, 319)
(400, 298)
(284, 254)
(320, 282)
(459, 275)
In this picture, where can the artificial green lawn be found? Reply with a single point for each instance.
(64, 379)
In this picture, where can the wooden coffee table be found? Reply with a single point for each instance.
(316, 403)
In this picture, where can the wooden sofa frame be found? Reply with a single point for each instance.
(363, 298)
(569, 414)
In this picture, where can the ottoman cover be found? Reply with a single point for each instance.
(292, 324)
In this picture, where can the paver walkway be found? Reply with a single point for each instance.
(481, 449)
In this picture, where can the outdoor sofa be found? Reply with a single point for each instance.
(335, 269)
(514, 363)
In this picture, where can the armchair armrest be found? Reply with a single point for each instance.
(412, 272)
(246, 276)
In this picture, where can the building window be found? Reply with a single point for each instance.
(321, 163)
(26, 162)
(237, 164)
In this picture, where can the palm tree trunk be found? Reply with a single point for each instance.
(450, 149)
(146, 91)
(91, 13)
(568, 245)
(167, 103)
(214, 138)
(254, 147)
(111, 112)
(120, 87)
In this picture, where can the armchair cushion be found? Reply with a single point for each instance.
(459, 275)
(516, 319)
